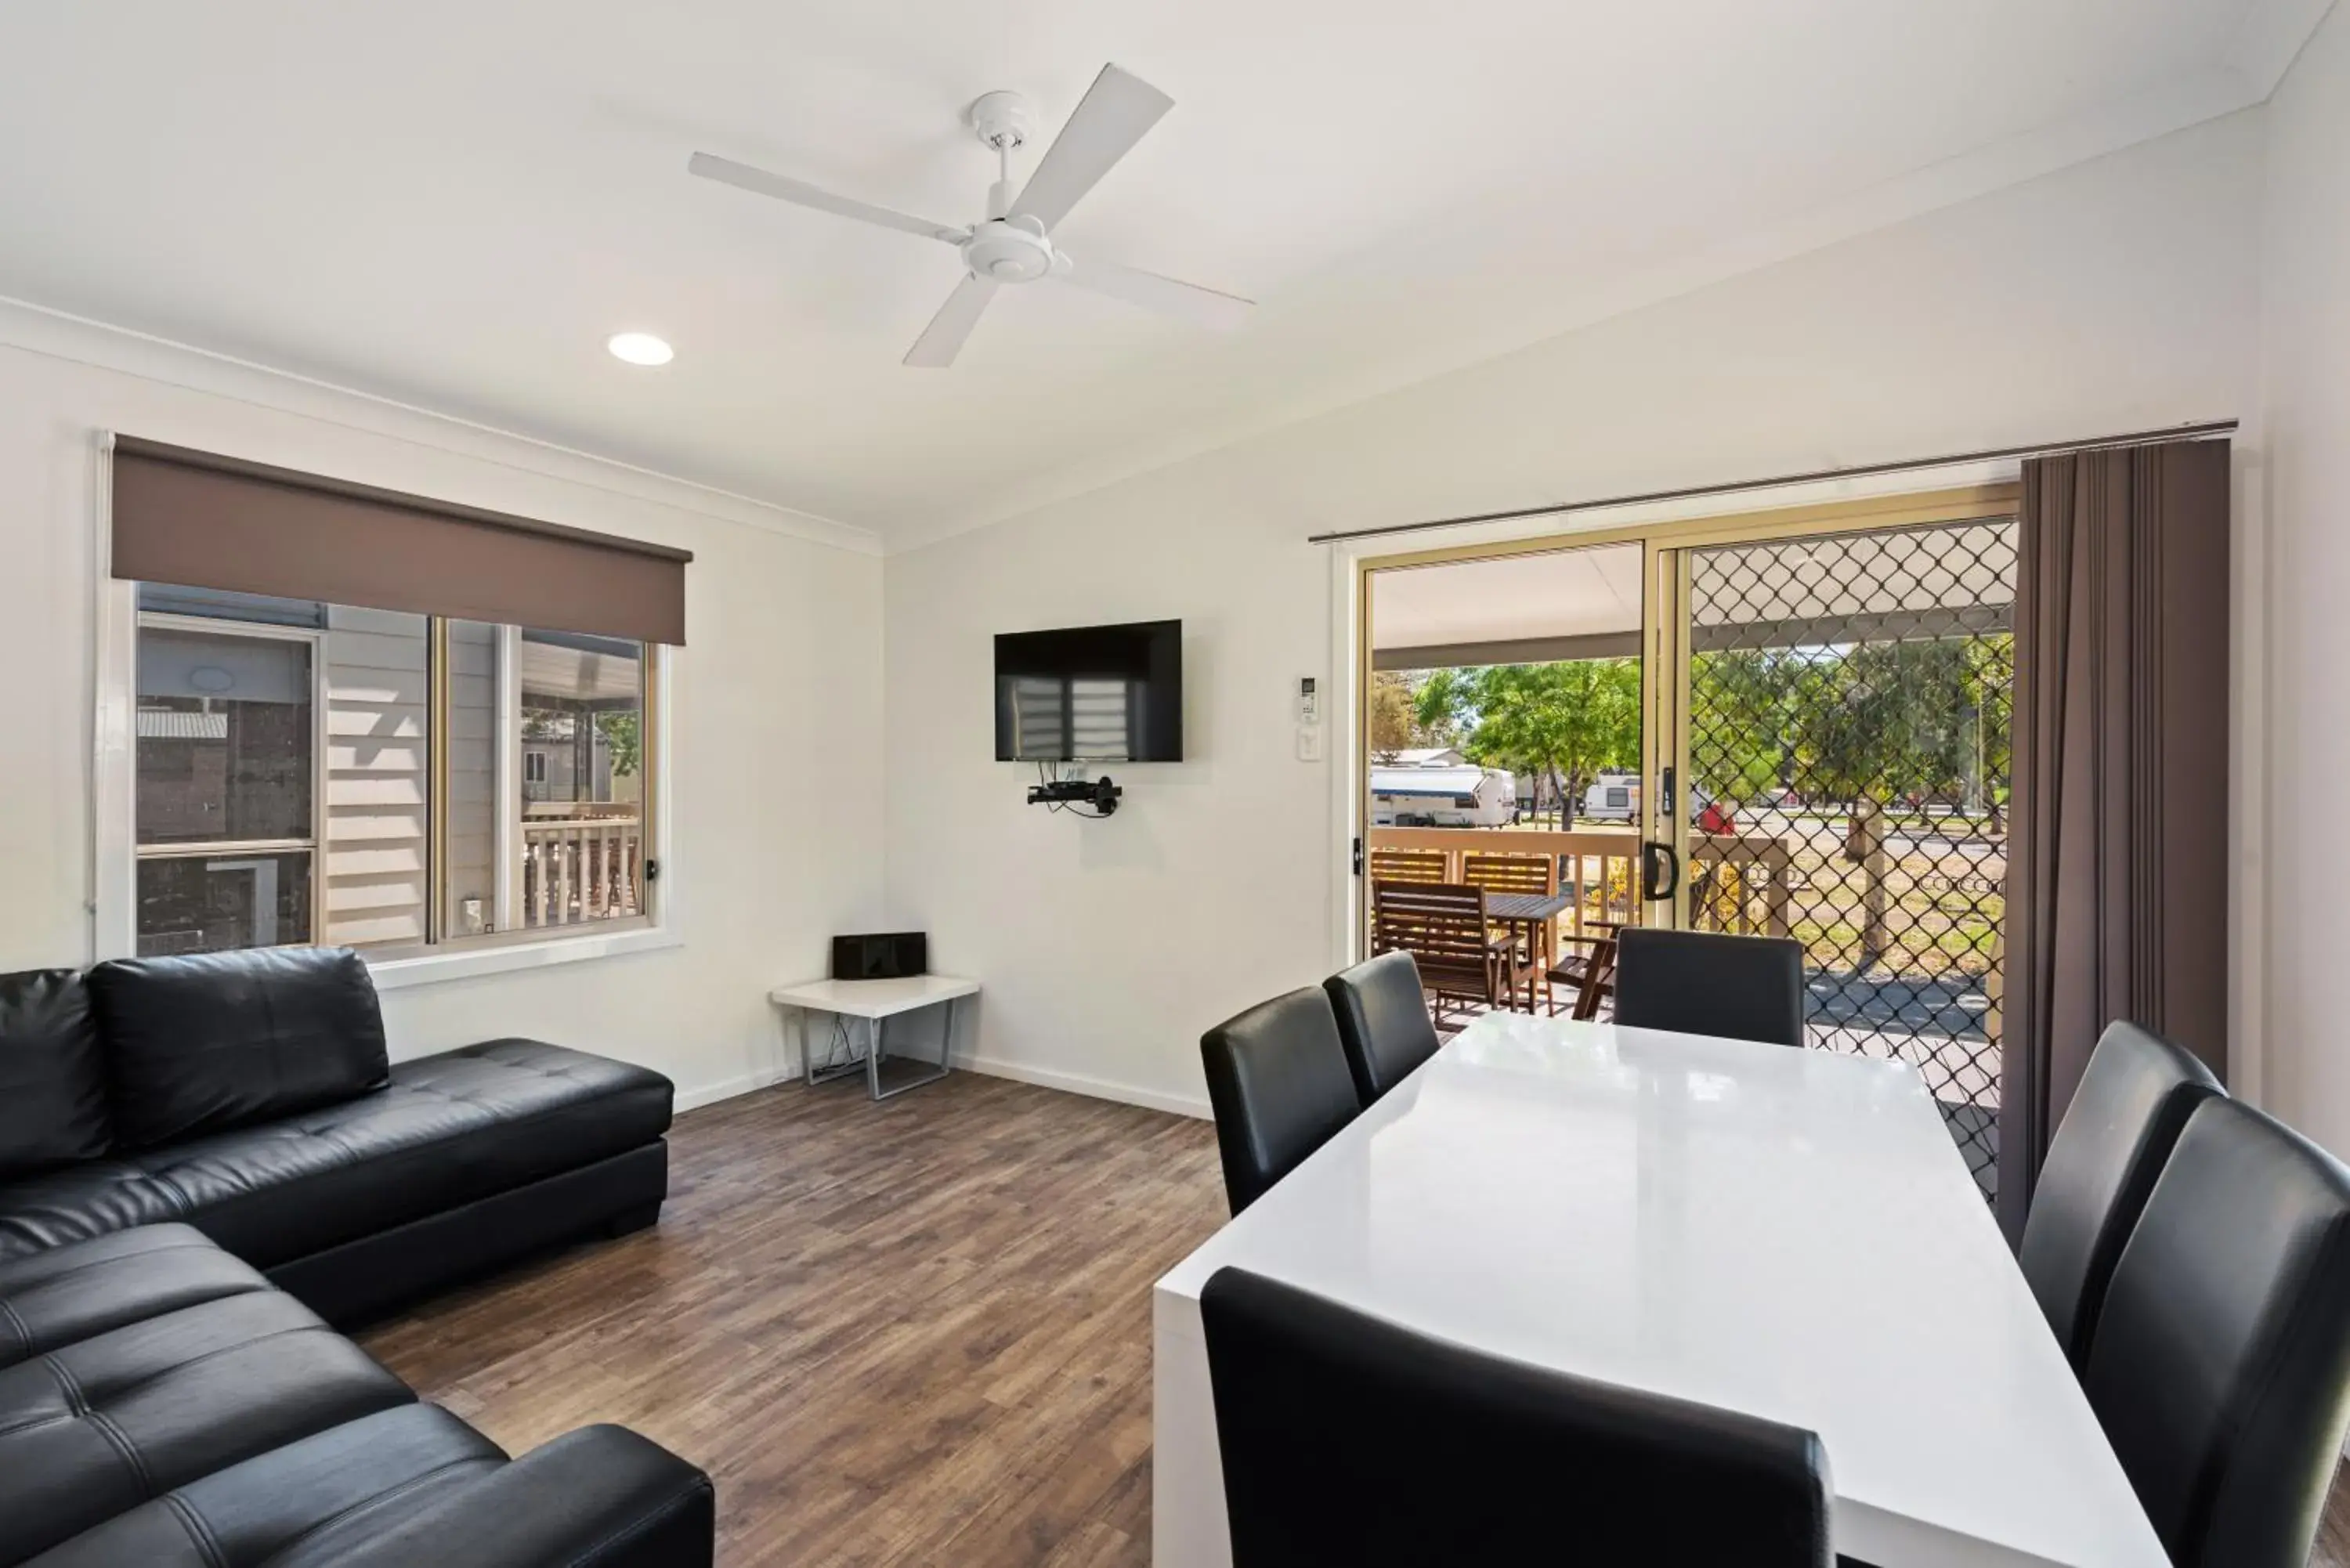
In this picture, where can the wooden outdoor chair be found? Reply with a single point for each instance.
(1592, 975)
(1500, 872)
(1407, 866)
(1443, 926)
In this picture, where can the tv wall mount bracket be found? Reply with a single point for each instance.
(1076, 795)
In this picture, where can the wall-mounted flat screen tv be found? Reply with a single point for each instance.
(1090, 694)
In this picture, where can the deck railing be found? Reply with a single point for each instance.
(1734, 883)
(577, 870)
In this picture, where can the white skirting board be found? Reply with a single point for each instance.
(1042, 1077)
(1083, 1083)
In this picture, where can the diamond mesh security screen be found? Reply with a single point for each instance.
(1848, 756)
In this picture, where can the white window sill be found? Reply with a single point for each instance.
(395, 975)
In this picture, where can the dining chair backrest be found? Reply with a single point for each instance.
(1345, 1438)
(1383, 1021)
(1407, 864)
(1703, 982)
(1443, 926)
(2116, 1136)
(2221, 1362)
(1498, 873)
(1278, 1082)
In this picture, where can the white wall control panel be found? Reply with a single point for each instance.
(1309, 700)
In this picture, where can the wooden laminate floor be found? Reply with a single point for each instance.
(916, 1333)
(910, 1332)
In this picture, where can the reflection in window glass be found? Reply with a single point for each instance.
(208, 903)
(582, 779)
(224, 738)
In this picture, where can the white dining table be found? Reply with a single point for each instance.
(1791, 1233)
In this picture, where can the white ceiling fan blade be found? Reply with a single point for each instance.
(726, 172)
(1205, 306)
(936, 348)
(1110, 118)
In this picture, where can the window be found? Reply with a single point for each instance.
(382, 780)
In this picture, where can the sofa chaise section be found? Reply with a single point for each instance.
(162, 1406)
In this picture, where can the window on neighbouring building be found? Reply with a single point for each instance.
(226, 740)
(380, 779)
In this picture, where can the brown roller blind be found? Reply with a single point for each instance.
(199, 521)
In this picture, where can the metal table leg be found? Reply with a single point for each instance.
(873, 1059)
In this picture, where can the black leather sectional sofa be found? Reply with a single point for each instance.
(206, 1162)
(248, 1095)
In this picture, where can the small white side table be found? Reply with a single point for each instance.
(872, 1001)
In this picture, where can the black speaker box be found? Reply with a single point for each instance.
(882, 955)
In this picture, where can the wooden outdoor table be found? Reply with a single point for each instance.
(1534, 911)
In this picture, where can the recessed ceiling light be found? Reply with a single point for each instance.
(641, 348)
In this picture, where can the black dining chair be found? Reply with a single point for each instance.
(2221, 1362)
(2117, 1134)
(1704, 982)
(1278, 1081)
(1383, 1021)
(1348, 1439)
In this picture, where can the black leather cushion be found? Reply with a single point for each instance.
(214, 1041)
(1383, 1021)
(67, 1295)
(76, 1202)
(2116, 1136)
(1349, 1440)
(1278, 1081)
(1703, 982)
(2220, 1362)
(52, 1077)
(324, 1492)
(101, 1426)
(601, 1497)
(363, 1280)
(450, 1129)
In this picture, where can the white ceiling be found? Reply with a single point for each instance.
(1587, 592)
(454, 202)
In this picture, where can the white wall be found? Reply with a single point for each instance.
(2306, 395)
(2119, 295)
(783, 616)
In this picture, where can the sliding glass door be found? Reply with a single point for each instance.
(1792, 724)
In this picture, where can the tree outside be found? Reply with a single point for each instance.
(1393, 727)
(1846, 726)
(1563, 723)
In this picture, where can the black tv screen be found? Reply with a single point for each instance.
(1090, 694)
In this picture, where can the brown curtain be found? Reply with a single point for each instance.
(2117, 871)
(198, 519)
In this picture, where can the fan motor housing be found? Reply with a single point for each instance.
(1006, 250)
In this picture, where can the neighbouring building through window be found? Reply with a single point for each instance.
(367, 778)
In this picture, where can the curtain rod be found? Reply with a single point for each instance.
(2045, 448)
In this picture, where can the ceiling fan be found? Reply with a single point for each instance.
(1013, 243)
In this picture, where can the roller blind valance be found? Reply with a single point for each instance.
(198, 520)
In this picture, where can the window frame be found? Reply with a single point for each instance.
(114, 851)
